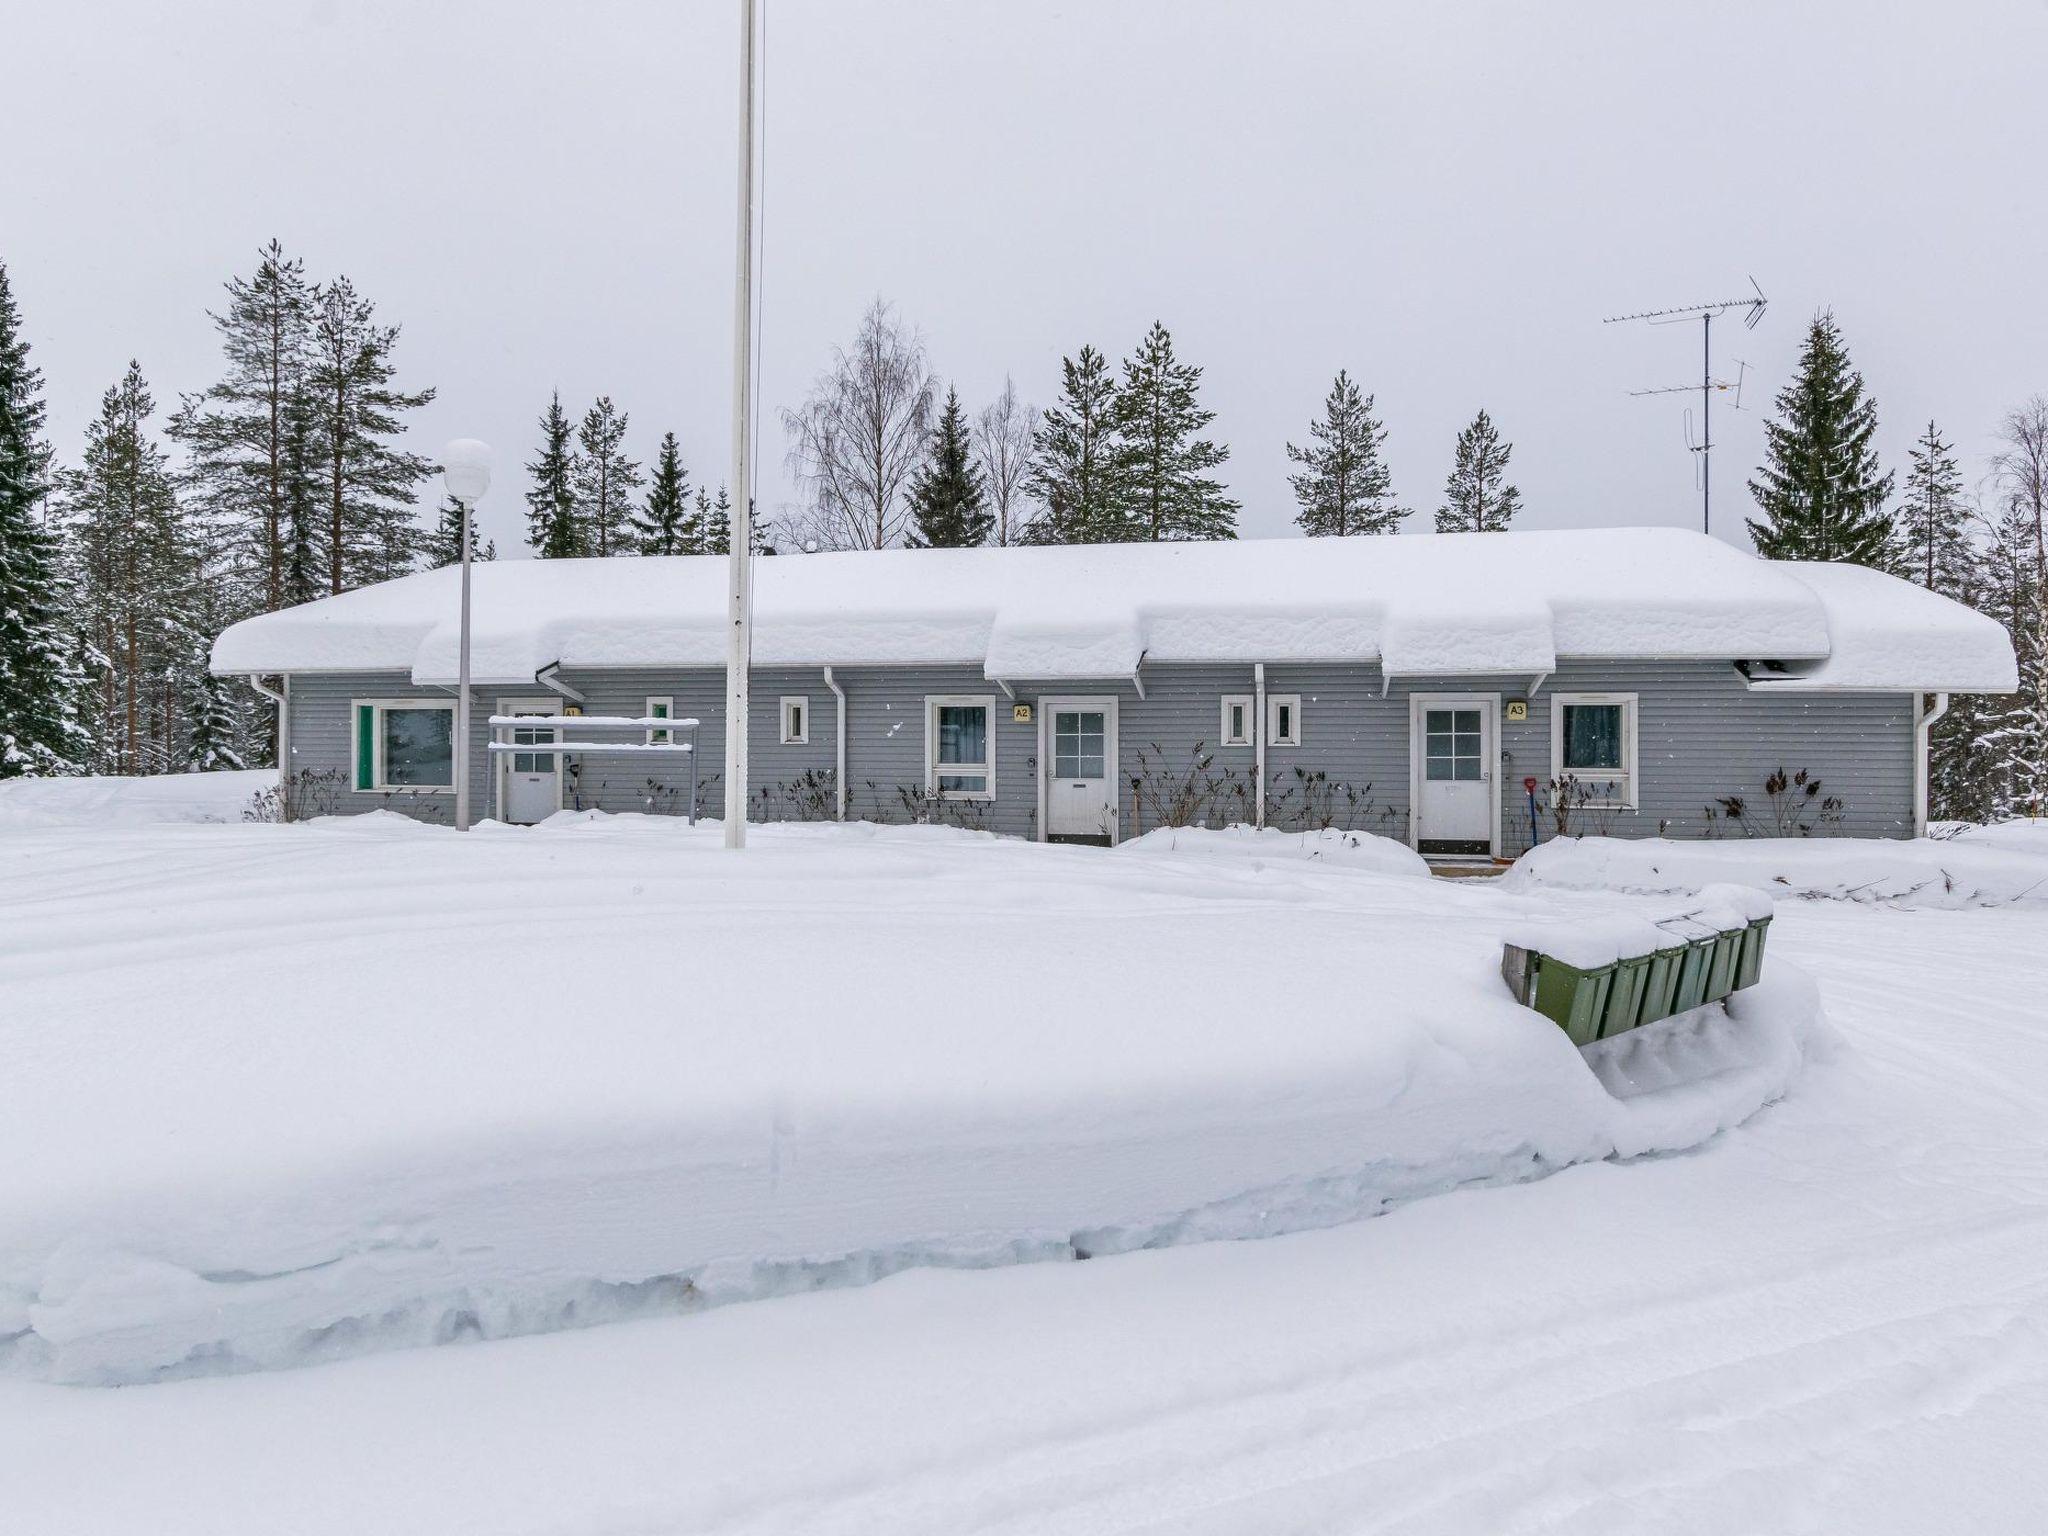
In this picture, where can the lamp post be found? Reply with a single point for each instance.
(466, 472)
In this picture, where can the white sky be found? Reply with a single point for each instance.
(1445, 200)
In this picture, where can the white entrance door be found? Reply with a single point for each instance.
(530, 783)
(1080, 768)
(1456, 772)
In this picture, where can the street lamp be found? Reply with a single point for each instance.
(466, 472)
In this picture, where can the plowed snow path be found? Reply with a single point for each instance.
(1834, 1318)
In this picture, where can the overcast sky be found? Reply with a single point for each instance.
(1444, 199)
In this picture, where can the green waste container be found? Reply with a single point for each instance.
(1625, 995)
(1575, 1000)
(1750, 967)
(1691, 988)
(1660, 984)
(1725, 956)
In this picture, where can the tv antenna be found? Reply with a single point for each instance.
(1752, 310)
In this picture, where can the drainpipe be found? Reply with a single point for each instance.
(284, 737)
(1259, 741)
(1923, 723)
(838, 749)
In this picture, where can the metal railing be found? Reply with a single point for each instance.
(502, 725)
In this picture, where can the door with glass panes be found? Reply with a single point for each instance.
(1080, 768)
(530, 788)
(1457, 771)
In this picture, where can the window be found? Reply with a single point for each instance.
(1283, 719)
(1078, 738)
(1453, 745)
(404, 744)
(1593, 740)
(796, 720)
(1237, 720)
(660, 709)
(959, 747)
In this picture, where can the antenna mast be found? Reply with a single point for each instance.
(1752, 311)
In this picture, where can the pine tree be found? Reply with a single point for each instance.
(136, 565)
(1170, 495)
(605, 479)
(245, 475)
(305, 570)
(444, 544)
(41, 685)
(1477, 495)
(662, 525)
(1933, 520)
(947, 505)
(552, 528)
(369, 487)
(1079, 469)
(1819, 488)
(1345, 487)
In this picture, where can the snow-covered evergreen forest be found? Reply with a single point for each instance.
(288, 477)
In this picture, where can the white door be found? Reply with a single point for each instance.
(1458, 766)
(531, 788)
(1080, 763)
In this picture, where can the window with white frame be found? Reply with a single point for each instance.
(663, 708)
(796, 720)
(1237, 719)
(1593, 743)
(1283, 719)
(404, 744)
(960, 746)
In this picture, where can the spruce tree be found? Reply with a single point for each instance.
(369, 487)
(1477, 495)
(605, 479)
(444, 544)
(245, 475)
(662, 525)
(552, 528)
(136, 566)
(305, 569)
(1079, 470)
(947, 504)
(1933, 520)
(714, 527)
(1819, 488)
(1344, 486)
(41, 686)
(2014, 741)
(1169, 492)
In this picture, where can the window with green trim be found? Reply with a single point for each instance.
(404, 744)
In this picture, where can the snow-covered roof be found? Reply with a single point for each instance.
(1422, 605)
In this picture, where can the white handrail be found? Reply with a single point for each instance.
(589, 748)
(601, 722)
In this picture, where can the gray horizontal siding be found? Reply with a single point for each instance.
(1701, 736)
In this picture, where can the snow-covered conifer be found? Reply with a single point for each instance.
(1169, 493)
(947, 500)
(606, 479)
(552, 528)
(661, 525)
(1078, 467)
(1819, 488)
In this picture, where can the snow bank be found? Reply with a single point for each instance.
(1331, 847)
(1964, 871)
(1432, 604)
(132, 801)
(279, 1094)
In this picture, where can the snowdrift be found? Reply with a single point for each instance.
(284, 1094)
(129, 802)
(1981, 867)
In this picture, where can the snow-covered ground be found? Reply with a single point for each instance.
(282, 1094)
(1975, 867)
(1832, 1316)
(104, 802)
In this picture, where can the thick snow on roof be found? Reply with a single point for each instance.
(1881, 629)
(1433, 604)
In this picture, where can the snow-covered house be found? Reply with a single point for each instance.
(1417, 686)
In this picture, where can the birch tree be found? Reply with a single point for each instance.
(860, 435)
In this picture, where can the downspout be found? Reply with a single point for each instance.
(1259, 741)
(284, 736)
(1923, 725)
(838, 749)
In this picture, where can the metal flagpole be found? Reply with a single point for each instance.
(739, 648)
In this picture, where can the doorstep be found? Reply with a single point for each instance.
(1454, 867)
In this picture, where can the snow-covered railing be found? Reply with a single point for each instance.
(502, 724)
